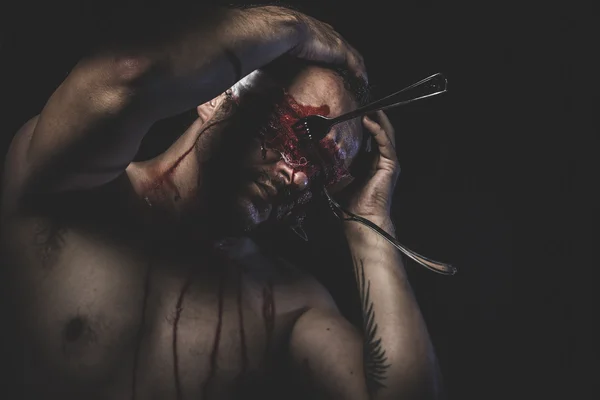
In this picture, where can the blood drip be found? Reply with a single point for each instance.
(268, 310)
(215, 350)
(166, 177)
(293, 174)
(178, 309)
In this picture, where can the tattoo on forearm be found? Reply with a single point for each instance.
(376, 365)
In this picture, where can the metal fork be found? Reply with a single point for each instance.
(315, 127)
(435, 266)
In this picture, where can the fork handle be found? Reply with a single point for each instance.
(430, 86)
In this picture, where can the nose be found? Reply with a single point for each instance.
(293, 177)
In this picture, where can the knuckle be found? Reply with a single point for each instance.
(379, 129)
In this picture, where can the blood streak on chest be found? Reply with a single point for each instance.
(268, 311)
(178, 310)
(215, 348)
(209, 381)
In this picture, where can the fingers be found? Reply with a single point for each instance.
(383, 138)
(384, 122)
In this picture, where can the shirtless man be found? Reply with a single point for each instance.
(133, 280)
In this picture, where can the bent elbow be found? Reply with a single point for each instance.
(132, 71)
(114, 72)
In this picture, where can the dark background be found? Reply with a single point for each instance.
(492, 172)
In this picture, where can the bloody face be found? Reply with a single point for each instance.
(325, 168)
(277, 172)
(280, 136)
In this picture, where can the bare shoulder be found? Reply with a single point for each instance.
(15, 177)
(311, 292)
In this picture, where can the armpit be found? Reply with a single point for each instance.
(48, 240)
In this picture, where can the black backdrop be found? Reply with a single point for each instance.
(491, 172)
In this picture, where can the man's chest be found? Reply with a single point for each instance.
(209, 336)
(104, 321)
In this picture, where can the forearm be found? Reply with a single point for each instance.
(199, 55)
(399, 356)
(91, 127)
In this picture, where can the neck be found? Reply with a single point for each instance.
(181, 184)
(179, 198)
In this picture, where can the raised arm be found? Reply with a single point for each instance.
(92, 125)
(393, 357)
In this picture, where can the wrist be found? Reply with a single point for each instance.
(384, 222)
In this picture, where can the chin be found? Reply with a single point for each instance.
(252, 213)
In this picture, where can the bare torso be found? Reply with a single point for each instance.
(109, 307)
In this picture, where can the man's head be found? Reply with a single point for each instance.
(257, 171)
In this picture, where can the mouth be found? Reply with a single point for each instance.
(269, 189)
(260, 199)
(263, 191)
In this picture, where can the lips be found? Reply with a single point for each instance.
(270, 190)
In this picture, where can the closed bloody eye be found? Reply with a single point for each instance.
(279, 135)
